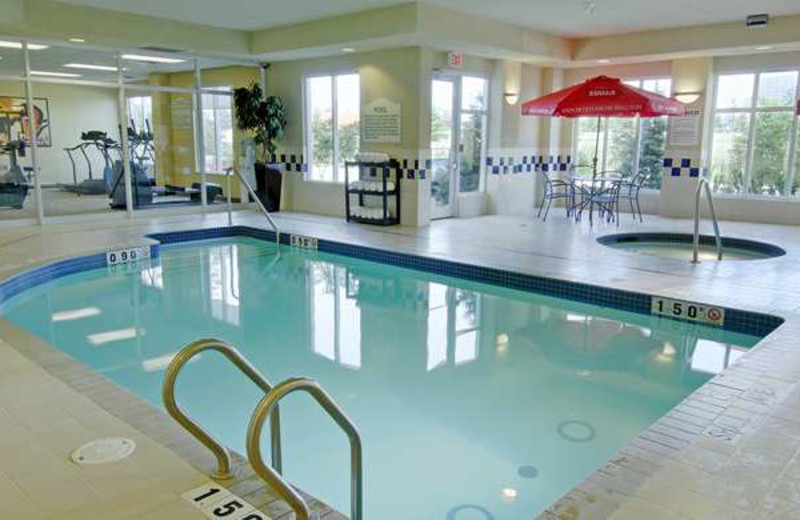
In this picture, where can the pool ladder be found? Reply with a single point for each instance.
(701, 187)
(268, 406)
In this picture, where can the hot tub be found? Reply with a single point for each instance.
(677, 245)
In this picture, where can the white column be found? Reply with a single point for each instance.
(122, 109)
(37, 185)
(200, 148)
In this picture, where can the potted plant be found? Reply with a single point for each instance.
(265, 118)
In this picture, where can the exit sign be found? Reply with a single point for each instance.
(455, 60)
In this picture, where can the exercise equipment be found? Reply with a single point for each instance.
(13, 184)
(98, 140)
(142, 148)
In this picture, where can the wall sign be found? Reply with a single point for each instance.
(685, 130)
(218, 503)
(181, 114)
(688, 311)
(382, 122)
(455, 60)
(303, 242)
(128, 255)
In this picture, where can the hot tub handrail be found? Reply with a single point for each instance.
(230, 172)
(704, 186)
(222, 453)
(272, 478)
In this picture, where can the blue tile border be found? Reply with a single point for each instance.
(747, 322)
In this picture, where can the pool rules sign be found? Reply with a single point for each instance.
(382, 122)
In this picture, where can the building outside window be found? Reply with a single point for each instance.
(218, 130)
(627, 145)
(754, 134)
(332, 117)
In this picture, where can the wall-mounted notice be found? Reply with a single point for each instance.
(180, 109)
(382, 122)
(685, 130)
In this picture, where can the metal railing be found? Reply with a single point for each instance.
(265, 408)
(704, 186)
(230, 172)
(222, 454)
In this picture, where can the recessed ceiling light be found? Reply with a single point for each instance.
(151, 59)
(764, 48)
(603, 61)
(87, 66)
(18, 45)
(348, 49)
(54, 74)
(76, 40)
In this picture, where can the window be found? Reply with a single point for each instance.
(754, 131)
(626, 144)
(333, 124)
(218, 130)
(140, 111)
(336, 316)
(474, 115)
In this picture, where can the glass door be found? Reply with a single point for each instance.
(443, 141)
(459, 114)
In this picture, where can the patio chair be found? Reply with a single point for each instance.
(630, 191)
(605, 197)
(555, 189)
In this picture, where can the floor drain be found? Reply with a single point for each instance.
(103, 451)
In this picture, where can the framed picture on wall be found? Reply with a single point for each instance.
(14, 120)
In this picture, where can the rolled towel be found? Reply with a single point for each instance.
(372, 157)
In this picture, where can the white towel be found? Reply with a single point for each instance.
(372, 157)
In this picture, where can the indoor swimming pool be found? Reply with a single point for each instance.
(474, 402)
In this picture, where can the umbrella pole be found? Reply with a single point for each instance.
(596, 148)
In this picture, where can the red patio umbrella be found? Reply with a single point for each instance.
(602, 97)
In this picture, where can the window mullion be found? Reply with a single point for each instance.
(335, 126)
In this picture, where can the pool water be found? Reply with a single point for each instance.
(684, 251)
(473, 401)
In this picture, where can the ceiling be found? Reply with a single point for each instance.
(53, 59)
(565, 18)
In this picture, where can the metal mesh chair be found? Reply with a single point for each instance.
(630, 191)
(555, 189)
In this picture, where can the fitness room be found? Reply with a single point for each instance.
(75, 94)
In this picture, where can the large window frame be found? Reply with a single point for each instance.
(751, 112)
(605, 123)
(337, 174)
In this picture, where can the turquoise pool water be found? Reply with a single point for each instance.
(474, 402)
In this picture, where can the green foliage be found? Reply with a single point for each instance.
(322, 132)
(266, 118)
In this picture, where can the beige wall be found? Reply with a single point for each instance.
(392, 74)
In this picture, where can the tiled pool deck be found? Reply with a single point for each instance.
(731, 450)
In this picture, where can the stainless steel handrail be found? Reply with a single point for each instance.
(703, 184)
(252, 193)
(222, 454)
(272, 478)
